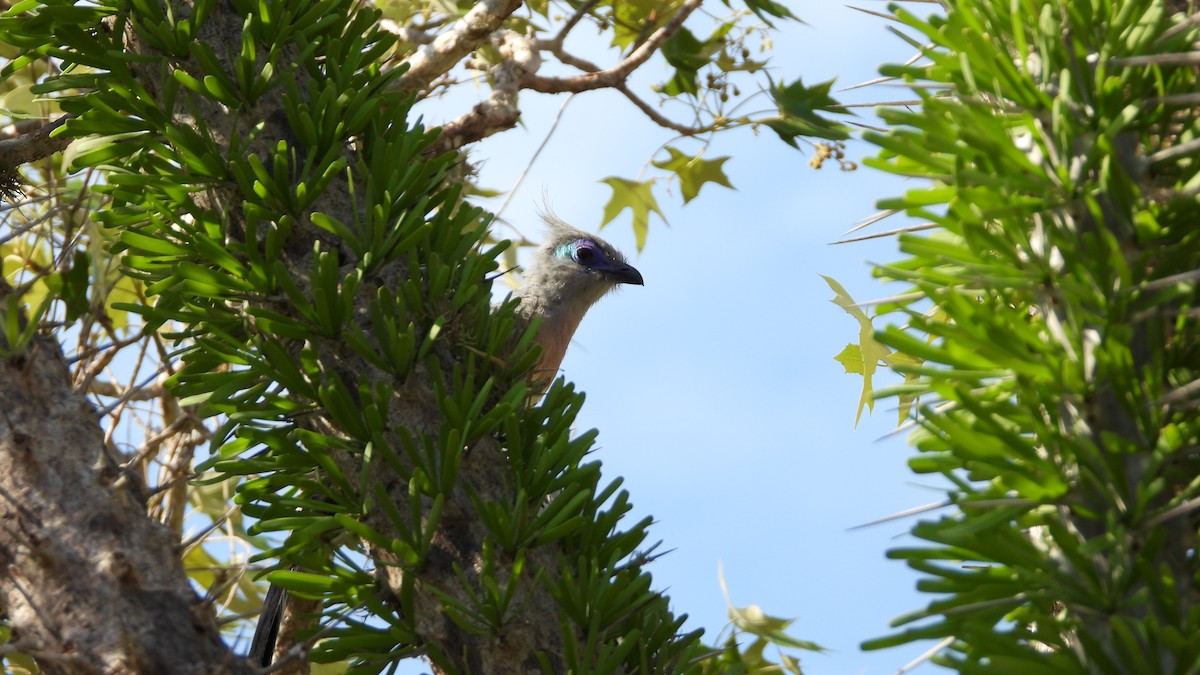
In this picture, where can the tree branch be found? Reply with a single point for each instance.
(519, 71)
(608, 78)
(657, 117)
(27, 147)
(406, 33)
(486, 118)
(447, 49)
(557, 42)
(499, 112)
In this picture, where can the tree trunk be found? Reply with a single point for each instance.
(90, 584)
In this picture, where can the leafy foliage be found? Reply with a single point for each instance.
(709, 75)
(298, 269)
(257, 251)
(1057, 366)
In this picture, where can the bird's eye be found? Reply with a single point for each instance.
(584, 254)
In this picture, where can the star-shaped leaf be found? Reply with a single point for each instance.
(799, 112)
(694, 172)
(864, 357)
(637, 197)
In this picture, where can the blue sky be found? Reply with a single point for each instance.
(714, 387)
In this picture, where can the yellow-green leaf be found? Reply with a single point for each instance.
(694, 172)
(851, 359)
(637, 197)
(870, 351)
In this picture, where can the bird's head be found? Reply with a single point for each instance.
(573, 269)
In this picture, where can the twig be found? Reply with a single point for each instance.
(545, 142)
(618, 73)
(657, 117)
(113, 390)
(878, 235)
(871, 220)
(129, 393)
(946, 642)
(572, 22)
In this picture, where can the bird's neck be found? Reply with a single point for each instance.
(560, 311)
(554, 336)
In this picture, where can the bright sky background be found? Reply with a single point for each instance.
(714, 387)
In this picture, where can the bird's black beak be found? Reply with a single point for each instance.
(624, 273)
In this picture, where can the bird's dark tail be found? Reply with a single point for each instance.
(262, 647)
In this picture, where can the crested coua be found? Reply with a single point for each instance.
(569, 273)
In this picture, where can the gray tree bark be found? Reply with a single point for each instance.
(90, 584)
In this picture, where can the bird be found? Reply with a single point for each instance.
(571, 271)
